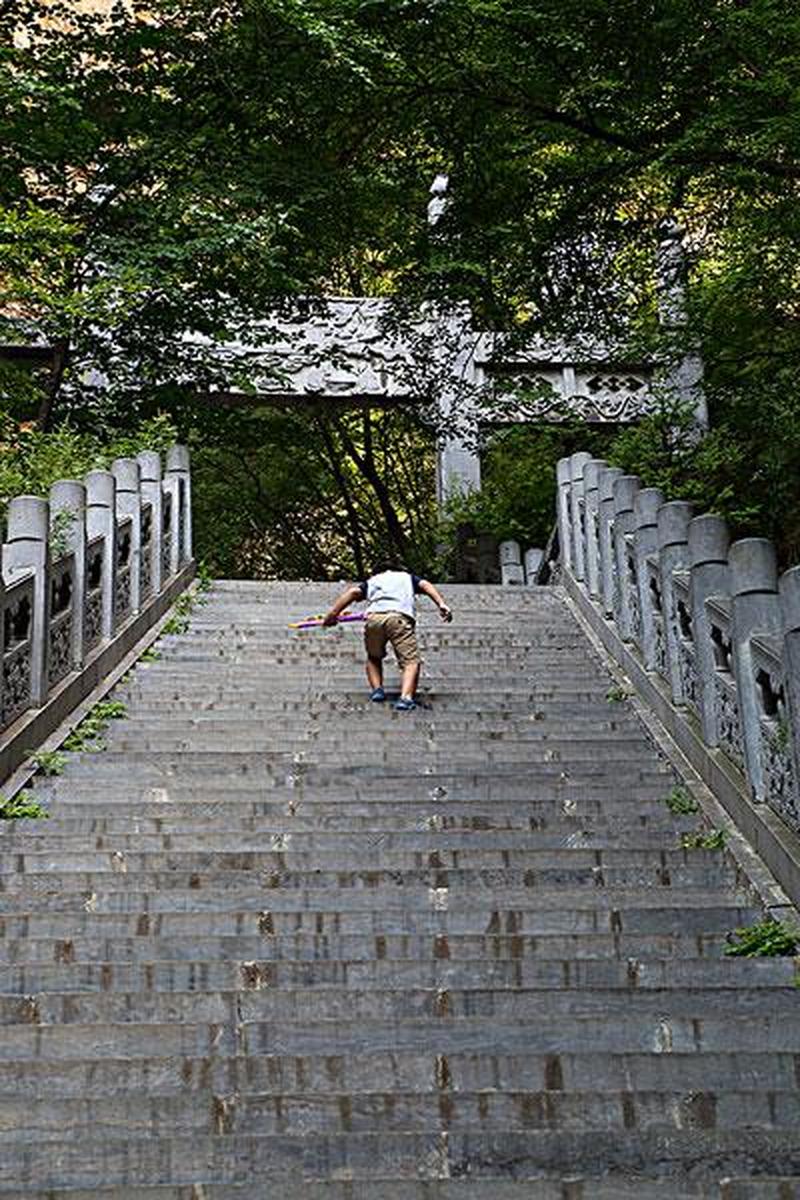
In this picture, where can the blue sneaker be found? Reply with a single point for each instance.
(377, 695)
(404, 704)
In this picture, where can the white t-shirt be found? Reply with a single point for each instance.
(391, 591)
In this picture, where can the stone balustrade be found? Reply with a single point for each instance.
(707, 621)
(81, 574)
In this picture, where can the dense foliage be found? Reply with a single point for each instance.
(181, 166)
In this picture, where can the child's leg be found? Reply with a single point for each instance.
(375, 673)
(404, 642)
(409, 680)
(375, 646)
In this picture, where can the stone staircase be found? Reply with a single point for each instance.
(278, 942)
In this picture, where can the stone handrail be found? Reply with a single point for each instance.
(83, 575)
(706, 623)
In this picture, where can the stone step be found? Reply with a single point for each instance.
(606, 948)
(532, 911)
(652, 916)
(410, 886)
(561, 794)
(572, 1187)
(636, 763)
(304, 836)
(636, 1033)
(257, 1008)
(414, 856)
(528, 728)
(209, 976)
(380, 1112)
(117, 1162)
(406, 1071)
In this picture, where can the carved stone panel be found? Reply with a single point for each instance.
(146, 568)
(93, 611)
(122, 580)
(728, 719)
(59, 662)
(17, 629)
(167, 533)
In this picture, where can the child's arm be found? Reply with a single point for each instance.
(438, 599)
(347, 597)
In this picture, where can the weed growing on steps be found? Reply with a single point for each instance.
(711, 839)
(616, 695)
(764, 939)
(681, 802)
(151, 654)
(184, 606)
(88, 735)
(22, 807)
(49, 762)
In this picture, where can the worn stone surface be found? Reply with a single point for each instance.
(279, 941)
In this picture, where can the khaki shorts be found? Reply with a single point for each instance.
(392, 627)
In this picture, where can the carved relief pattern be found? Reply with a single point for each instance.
(688, 671)
(779, 775)
(122, 579)
(17, 626)
(60, 649)
(93, 611)
(728, 721)
(612, 405)
(660, 645)
(166, 537)
(181, 521)
(633, 599)
(59, 662)
(146, 552)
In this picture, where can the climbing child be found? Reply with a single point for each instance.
(390, 618)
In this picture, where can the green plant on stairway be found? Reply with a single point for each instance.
(151, 654)
(763, 939)
(181, 612)
(49, 762)
(616, 695)
(61, 524)
(681, 802)
(709, 839)
(88, 734)
(175, 625)
(204, 578)
(22, 807)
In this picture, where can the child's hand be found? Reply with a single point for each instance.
(329, 619)
(445, 613)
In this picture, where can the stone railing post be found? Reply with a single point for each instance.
(789, 592)
(577, 463)
(101, 521)
(27, 550)
(564, 511)
(755, 609)
(709, 543)
(532, 562)
(673, 555)
(127, 473)
(624, 492)
(511, 569)
(178, 468)
(68, 496)
(591, 507)
(150, 482)
(645, 542)
(608, 569)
